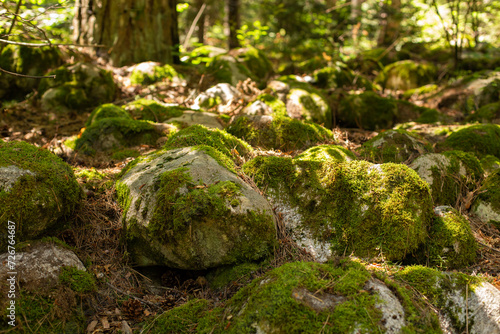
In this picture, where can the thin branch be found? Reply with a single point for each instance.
(51, 44)
(13, 21)
(27, 76)
(337, 7)
(193, 25)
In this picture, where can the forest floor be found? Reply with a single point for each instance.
(131, 298)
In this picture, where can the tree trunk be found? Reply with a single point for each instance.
(390, 25)
(132, 31)
(201, 22)
(233, 19)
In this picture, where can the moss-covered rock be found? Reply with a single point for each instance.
(220, 140)
(368, 111)
(107, 110)
(406, 74)
(421, 92)
(116, 133)
(183, 209)
(150, 72)
(49, 291)
(76, 87)
(489, 113)
(487, 204)
(227, 69)
(481, 139)
(452, 244)
(340, 77)
(223, 276)
(463, 301)
(25, 60)
(222, 93)
(349, 206)
(326, 153)
(306, 297)
(394, 146)
(408, 112)
(256, 61)
(279, 132)
(308, 105)
(265, 104)
(37, 190)
(151, 110)
(490, 164)
(448, 174)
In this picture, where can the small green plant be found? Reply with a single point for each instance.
(78, 280)
(251, 37)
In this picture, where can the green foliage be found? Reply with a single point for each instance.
(249, 36)
(78, 280)
(478, 139)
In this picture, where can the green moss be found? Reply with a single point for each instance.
(278, 106)
(124, 132)
(123, 154)
(223, 276)
(424, 90)
(479, 139)
(220, 140)
(281, 133)
(36, 202)
(393, 146)
(77, 280)
(486, 114)
(182, 319)
(327, 153)
(452, 244)
(108, 110)
(150, 110)
(256, 62)
(491, 191)
(160, 73)
(222, 159)
(429, 116)
(406, 74)
(367, 111)
(338, 77)
(226, 69)
(490, 163)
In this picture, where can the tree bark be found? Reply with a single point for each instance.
(201, 22)
(390, 25)
(233, 19)
(133, 31)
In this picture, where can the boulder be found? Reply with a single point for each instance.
(256, 61)
(340, 77)
(480, 139)
(154, 111)
(306, 105)
(184, 209)
(76, 87)
(151, 72)
(448, 174)
(37, 190)
(368, 111)
(222, 93)
(394, 146)
(279, 132)
(333, 207)
(406, 74)
(487, 204)
(107, 110)
(227, 69)
(489, 113)
(196, 117)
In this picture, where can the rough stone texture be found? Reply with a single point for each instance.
(205, 244)
(39, 266)
(423, 166)
(189, 118)
(393, 313)
(9, 176)
(222, 93)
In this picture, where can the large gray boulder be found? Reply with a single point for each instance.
(183, 209)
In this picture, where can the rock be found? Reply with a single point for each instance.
(183, 209)
(326, 153)
(487, 204)
(154, 111)
(279, 88)
(266, 104)
(406, 74)
(452, 244)
(367, 111)
(107, 110)
(76, 87)
(489, 113)
(195, 117)
(306, 105)
(256, 61)
(306, 297)
(222, 93)
(448, 174)
(481, 139)
(147, 73)
(340, 77)
(227, 69)
(257, 108)
(37, 190)
(463, 301)
(490, 164)
(346, 207)
(25, 60)
(279, 132)
(394, 146)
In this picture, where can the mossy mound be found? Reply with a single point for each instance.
(421, 92)
(408, 112)
(150, 110)
(108, 110)
(28, 61)
(279, 132)
(350, 206)
(306, 297)
(183, 209)
(326, 153)
(448, 174)
(340, 77)
(115, 133)
(489, 113)
(220, 140)
(223, 276)
(452, 244)
(266, 104)
(481, 139)
(406, 74)
(149, 72)
(222, 93)
(227, 69)
(463, 301)
(487, 204)
(37, 190)
(76, 87)
(490, 163)
(256, 61)
(308, 105)
(368, 111)
(394, 146)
